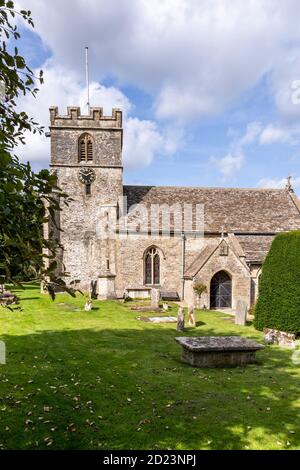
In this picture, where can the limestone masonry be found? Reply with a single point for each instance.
(132, 252)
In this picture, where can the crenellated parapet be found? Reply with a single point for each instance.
(95, 119)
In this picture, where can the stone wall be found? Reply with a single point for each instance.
(86, 252)
(130, 262)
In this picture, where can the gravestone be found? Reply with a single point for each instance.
(180, 319)
(241, 313)
(191, 319)
(88, 305)
(93, 290)
(165, 307)
(155, 298)
(286, 340)
(2, 353)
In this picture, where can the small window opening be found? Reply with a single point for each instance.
(85, 148)
(88, 189)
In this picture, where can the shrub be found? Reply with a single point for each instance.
(278, 305)
(199, 288)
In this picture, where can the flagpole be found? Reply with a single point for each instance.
(87, 78)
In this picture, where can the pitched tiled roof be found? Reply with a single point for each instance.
(256, 247)
(201, 259)
(236, 210)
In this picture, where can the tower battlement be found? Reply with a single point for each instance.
(96, 119)
(75, 135)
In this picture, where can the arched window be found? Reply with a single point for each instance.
(85, 148)
(152, 266)
(220, 290)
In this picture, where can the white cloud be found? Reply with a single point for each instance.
(234, 160)
(229, 164)
(272, 133)
(281, 133)
(252, 132)
(278, 183)
(62, 87)
(195, 58)
(174, 139)
(141, 141)
(142, 138)
(278, 134)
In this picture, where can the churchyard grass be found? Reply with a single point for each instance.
(104, 380)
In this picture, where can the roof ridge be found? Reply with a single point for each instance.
(205, 187)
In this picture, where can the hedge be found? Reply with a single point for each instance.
(278, 305)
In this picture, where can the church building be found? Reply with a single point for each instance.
(116, 239)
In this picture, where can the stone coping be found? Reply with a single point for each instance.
(218, 343)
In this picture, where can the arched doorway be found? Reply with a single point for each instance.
(220, 290)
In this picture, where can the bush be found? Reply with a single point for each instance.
(199, 288)
(278, 305)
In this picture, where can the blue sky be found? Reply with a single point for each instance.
(206, 89)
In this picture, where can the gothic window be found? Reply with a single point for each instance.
(152, 266)
(85, 148)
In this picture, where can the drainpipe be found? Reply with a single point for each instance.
(182, 264)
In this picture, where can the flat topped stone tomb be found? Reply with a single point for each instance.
(218, 351)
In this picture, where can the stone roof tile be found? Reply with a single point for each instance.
(256, 247)
(200, 260)
(234, 209)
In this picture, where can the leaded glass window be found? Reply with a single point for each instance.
(152, 266)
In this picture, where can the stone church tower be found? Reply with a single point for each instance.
(86, 157)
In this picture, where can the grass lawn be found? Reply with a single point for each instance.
(103, 380)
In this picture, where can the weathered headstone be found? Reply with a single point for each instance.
(191, 319)
(155, 298)
(270, 336)
(88, 305)
(93, 290)
(165, 306)
(2, 353)
(241, 313)
(180, 319)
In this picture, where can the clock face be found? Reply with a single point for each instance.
(86, 175)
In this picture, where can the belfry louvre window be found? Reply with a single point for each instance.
(152, 266)
(85, 148)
